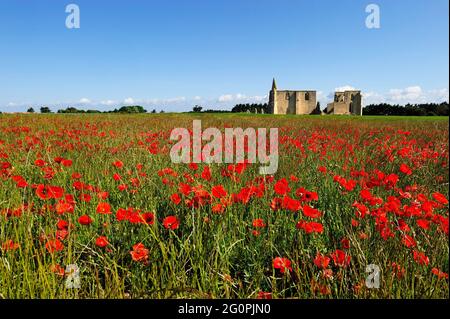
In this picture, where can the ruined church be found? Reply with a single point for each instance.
(305, 102)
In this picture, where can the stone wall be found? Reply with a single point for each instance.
(348, 102)
(293, 102)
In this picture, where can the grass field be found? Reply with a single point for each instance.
(95, 201)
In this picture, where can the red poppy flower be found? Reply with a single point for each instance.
(57, 269)
(391, 180)
(175, 198)
(440, 274)
(10, 245)
(148, 218)
(440, 198)
(321, 261)
(403, 226)
(39, 162)
(305, 195)
(66, 162)
(322, 169)
(423, 223)
(55, 191)
(408, 241)
(20, 181)
(76, 175)
(311, 212)
(206, 174)
(405, 169)
(259, 223)
(281, 187)
(340, 258)
(218, 209)
(61, 234)
(63, 207)
(264, 295)
(310, 227)
(171, 222)
(54, 245)
(218, 191)
(139, 253)
(184, 188)
(102, 195)
(345, 243)
(291, 204)
(103, 208)
(101, 242)
(42, 192)
(421, 258)
(282, 264)
(193, 166)
(85, 220)
(62, 224)
(118, 164)
(130, 214)
(85, 198)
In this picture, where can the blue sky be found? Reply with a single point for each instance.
(175, 54)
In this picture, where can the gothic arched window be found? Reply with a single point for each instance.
(307, 96)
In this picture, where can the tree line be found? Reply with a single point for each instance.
(124, 109)
(238, 108)
(424, 109)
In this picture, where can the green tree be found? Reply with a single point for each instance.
(30, 110)
(45, 109)
(132, 109)
(197, 109)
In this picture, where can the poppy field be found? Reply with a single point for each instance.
(91, 206)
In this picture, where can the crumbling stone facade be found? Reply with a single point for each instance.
(305, 102)
(291, 102)
(347, 102)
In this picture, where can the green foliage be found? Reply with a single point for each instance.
(197, 109)
(45, 109)
(71, 110)
(252, 108)
(131, 109)
(428, 109)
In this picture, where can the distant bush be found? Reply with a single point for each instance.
(252, 108)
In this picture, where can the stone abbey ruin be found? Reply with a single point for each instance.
(305, 102)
